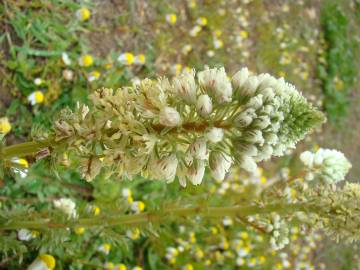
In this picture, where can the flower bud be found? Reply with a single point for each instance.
(169, 117)
(198, 149)
(185, 87)
(164, 169)
(215, 135)
(240, 78)
(216, 83)
(220, 164)
(196, 172)
(204, 105)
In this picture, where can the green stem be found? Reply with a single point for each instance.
(24, 149)
(161, 215)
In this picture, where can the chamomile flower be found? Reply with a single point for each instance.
(195, 31)
(171, 18)
(5, 125)
(133, 234)
(120, 266)
(104, 248)
(24, 235)
(202, 21)
(140, 59)
(86, 60)
(93, 75)
(83, 14)
(218, 43)
(137, 206)
(36, 97)
(126, 58)
(43, 262)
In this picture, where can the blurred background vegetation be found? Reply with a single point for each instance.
(67, 49)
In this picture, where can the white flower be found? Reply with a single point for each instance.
(126, 192)
(67, 206)
(164, 169)
(331, 166)
(169, 117)
(216, 83)
(240, 78)
(36, 97)
(24, 235)
(204, 105)
(38, 81)
(185, 86)
(215, 135)
(198, 149)
(219, 164)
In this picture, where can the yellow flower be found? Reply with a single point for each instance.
(36, 97)
(120, 266)
(79, 230)
(244, 235)
(5, 125)
(126, 58)
(83, 14)
(96, 210)
(188, 267)
(171, 18)
(140, 59)
(133, 234)
(104, 248)
(86, 60)
(244, 34)
(202, 21)
(109, 266)
(263, 180)
(218, 43)
(94, 75)
(43, 262)
(137, 206)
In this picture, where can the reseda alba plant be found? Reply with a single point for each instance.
(166, 130)
(162, 129)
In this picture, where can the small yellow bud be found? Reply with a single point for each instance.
(86, 60)
(83, 14)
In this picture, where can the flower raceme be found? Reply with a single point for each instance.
(163, 129)
(330, 166)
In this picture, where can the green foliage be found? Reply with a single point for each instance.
(339, 73)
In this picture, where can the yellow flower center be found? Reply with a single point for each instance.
(79, 230)
(5, 126)
(48, 260)
(87, 60)
(121, 266)
(171, 18)
(39, 97)
(84, 14)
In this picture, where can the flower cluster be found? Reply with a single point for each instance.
(163, 129)
(330, 166)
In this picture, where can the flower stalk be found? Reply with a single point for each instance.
(160, 215)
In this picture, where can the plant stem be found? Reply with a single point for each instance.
(23, 149)
(160, 215)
